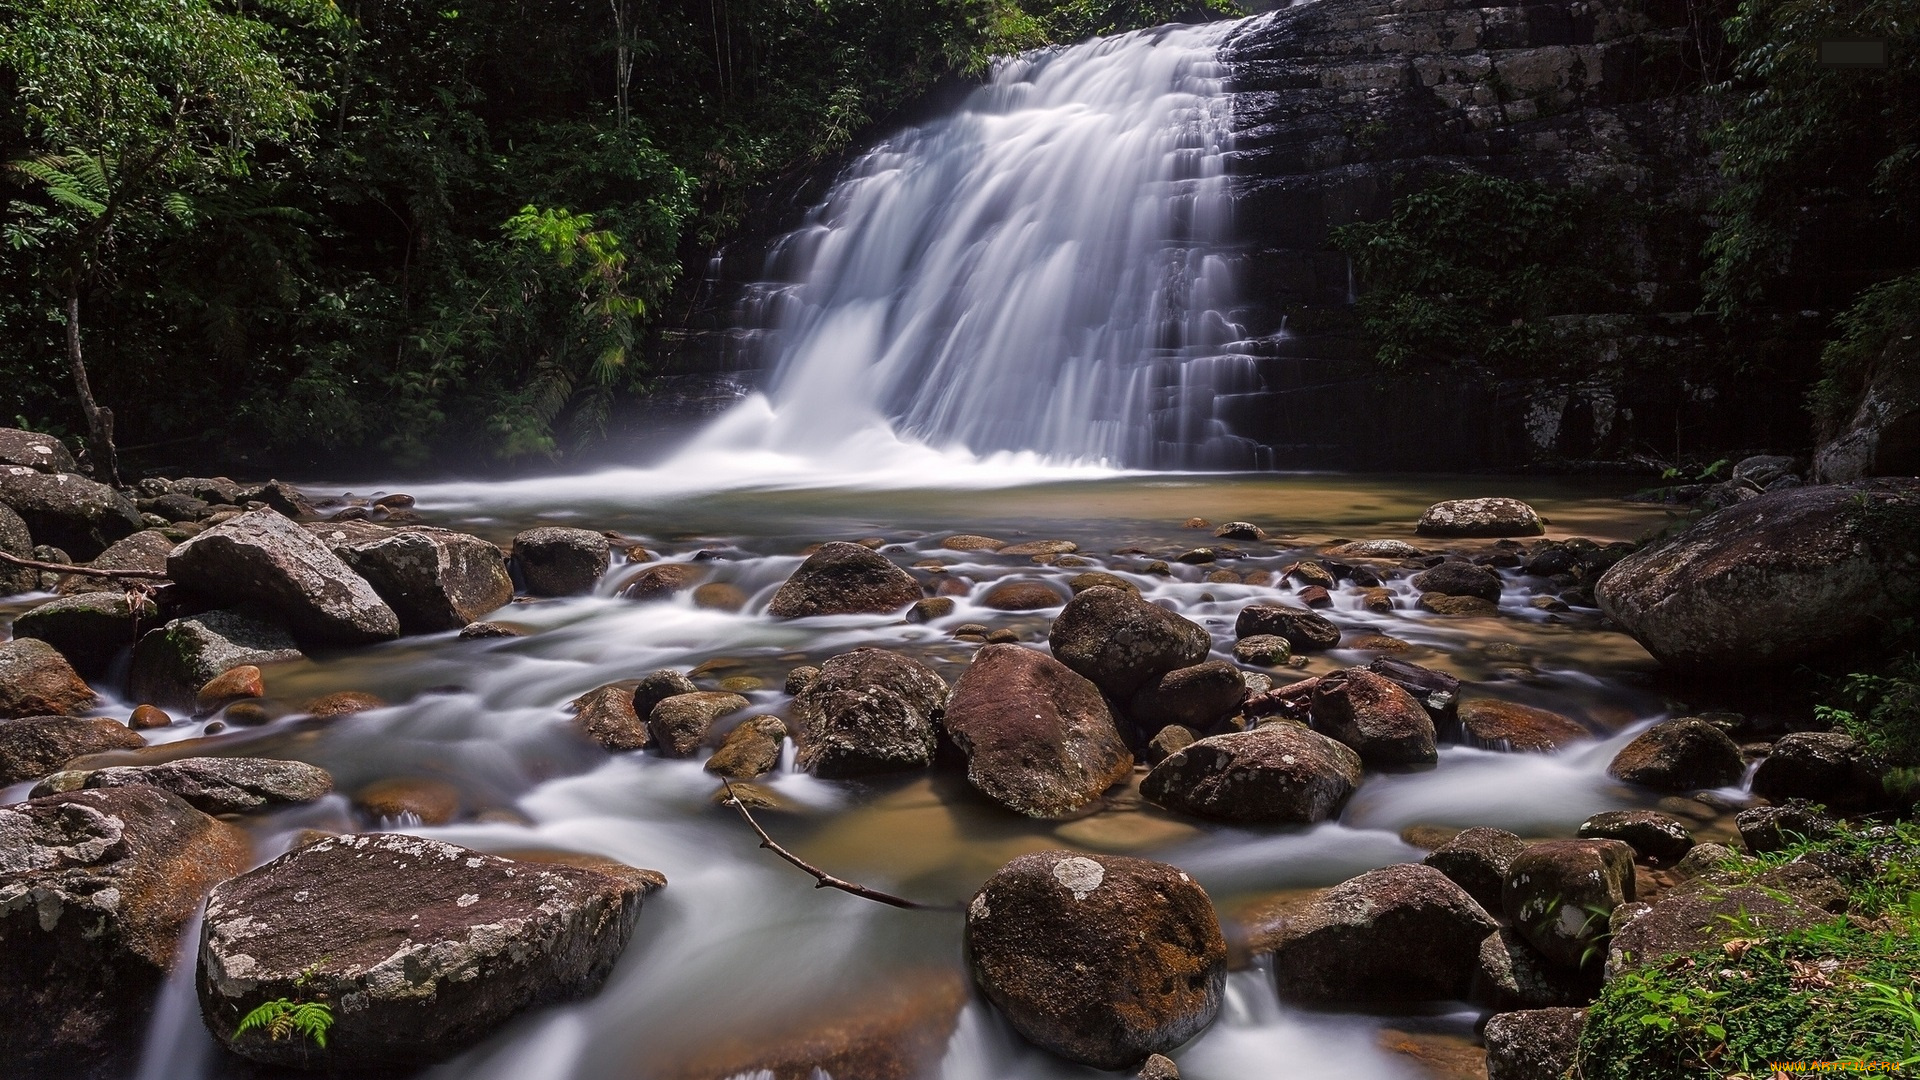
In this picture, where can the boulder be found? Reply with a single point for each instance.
(557, 561)
(1374, 716)
(17, 541)
(1533, 1044)
(1460, 579)
(1158, 1067)
(1279, 773)
(607, 716)
(264, 558)
(679, 724)
(1100, 959)
(1169, 741)
(1464, 606)
(1198, 697)
(1038, 737)
(433, 579)
(1775, 828)
(1477, 860)
(145, 550)
(970, 542)
(1240, 530)
(1041, 547)
(1266, 650)
(35, 680)
(1683, 754)
(1559, 895)
(1511, 974)
(231, 685)
(223, 785)
(1436, 691)
(1093, 579)
(66, 510)
(844, 579)
(1788, 576)
(1400, 933)
(172, 663)
(1824, 767)
(751, 749)
(1654, 836)
(1022, 596)
(33, 746)
(869, 711)
(657, 686)
(1121, 642)
(91, 629)
(1480, 518)
(95, 889)
(1708, 910)
(664, 581)
(929, 608)
(1375, 549)
(34, 450)
(424, 948)
(1493, 724)
(1304, 630)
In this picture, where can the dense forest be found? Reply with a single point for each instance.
(433, 233)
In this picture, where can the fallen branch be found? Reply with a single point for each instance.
(86, 571)
(822, 879)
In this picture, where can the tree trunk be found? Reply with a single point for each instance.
(106, 465)
(622, 62)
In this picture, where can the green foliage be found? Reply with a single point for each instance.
(281, 1018)
(1467, 268)
(1881, 708)
(1870, 334)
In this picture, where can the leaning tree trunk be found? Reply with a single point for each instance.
(106, 463)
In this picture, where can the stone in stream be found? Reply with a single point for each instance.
(1100, 959)
(558, 561)
(1093, 579)
(1267, 650)
(231, 685)
(172, 663)
(607, 716)
(1374, 716)
(144, 550)
(95, 889)
(66, 510)
(1040, 547)
(930, 608)
(1494, 724)
(1463, 606)
(35, 680)
(1278, 773)
(751, 749)
(343, 703)
(34, 450)
(969, 542)
(33, 746)
(264, 558)
(657, 686)
(869, 711)
(1022, 596)
(1375, 549)
(1559, 895)
(1788, 576)
(1774, 828)
(1533, 1044)
(408, 800)
(1825, 767)
(1477, 859)
(1400, 933)
(1199, 697)
(17, 541)
(1654, 836)
(1511, 974)
(424, 948)
(1240, 530)
(1121, 642)
(1158, 1067)
(90, 629)
(1304, 630)
(678, 725)
(719, 596)
(1480, 518)
(844, 579)
(434, 579)
(1038, 737)
(223, 785)
(664, 581)
(1683, 754)
(1169, 741)
(1436, 691)
(1460, 579)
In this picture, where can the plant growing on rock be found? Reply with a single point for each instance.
(281, 1018)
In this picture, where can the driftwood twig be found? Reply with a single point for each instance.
(822, 879)
(85, 571)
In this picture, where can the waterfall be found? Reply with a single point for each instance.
(1039, 272)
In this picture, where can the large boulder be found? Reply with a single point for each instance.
(35, 680)
(34, 450)
(1533, 1044)
(1400, 933)
(33, 746)
(1708, 910)
(1878, 434)
(1198, 697)
(751, 749)
(1038, 737)
(1559, 895)
(1654, 836)
(422, 948)
(1821, 766)
(1373, 715)
(1682, 754)
(95, 889)
(16, 540)
(223, 785)
(1100, 959)
(145, 550)
(264, 558)
(1512, 974)
(67, 511)
(1480, 518)
(844, 579)
(558, 561)
(90, 629)
(1788, 576)
(679, 724)
(1494, 724)
(171, 664)
(607, 716)
(433, 579)
(1121, 642)
(1477, 859)
(1304, 630)
(1280, 773)
(869, 711)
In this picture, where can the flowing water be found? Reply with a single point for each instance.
(992, 320)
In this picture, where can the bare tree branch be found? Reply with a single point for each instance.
(822, 879)
(84, 571)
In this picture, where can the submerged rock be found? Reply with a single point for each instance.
(172, 663)
(33, 746)
(869, 711)
(35, 680)
(558, 561)
(1480, 518)
(1100, 959)
(264, 558)
(1682, 754)
(1400, 933)
(1121, 642)
(1038, 738)
(844, 579)
(1279, 773)
(223, 785)
(95, 889)
(66, 510)
(422, 947)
